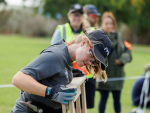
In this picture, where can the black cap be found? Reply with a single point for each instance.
(91, 9)
(76, 7)
(101, 46)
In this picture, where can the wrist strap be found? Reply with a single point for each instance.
(48, 92)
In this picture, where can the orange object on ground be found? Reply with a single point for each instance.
(75, 66)
(128, 45)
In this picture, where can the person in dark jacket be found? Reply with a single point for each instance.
(137, 89)
(117, 58)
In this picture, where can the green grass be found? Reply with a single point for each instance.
(17, 51)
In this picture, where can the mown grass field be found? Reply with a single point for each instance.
(17, 51)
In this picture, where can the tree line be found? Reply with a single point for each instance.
(134, 13)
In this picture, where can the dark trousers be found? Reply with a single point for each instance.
(104, 96)
(50, 110)
(90, 86)
(46, 109)
(138, 102)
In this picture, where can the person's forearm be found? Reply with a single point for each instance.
(28, 84)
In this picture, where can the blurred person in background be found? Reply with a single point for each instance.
(76, 25)
(91, 14)
(118, 57)
(137, 89)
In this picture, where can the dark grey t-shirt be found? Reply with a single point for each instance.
(52, 67)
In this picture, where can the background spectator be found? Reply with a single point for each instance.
(137, 88)
(117, 58)
(74, 26)
(91, 14)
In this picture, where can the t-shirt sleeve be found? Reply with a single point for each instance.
(44, 66)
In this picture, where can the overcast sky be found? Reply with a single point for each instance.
(18, 2)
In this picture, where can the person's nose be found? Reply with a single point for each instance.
(77, 18)
(109, 26)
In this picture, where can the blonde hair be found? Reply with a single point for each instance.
(85, 23)
(110, 15)
(96, 71)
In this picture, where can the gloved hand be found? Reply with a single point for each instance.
(60, 93)
(78, 73)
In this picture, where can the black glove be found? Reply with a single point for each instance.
(78, 73)
(60, 93)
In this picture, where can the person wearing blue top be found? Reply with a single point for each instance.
(137, 88)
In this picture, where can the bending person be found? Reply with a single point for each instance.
(77, 23)
(43, 81)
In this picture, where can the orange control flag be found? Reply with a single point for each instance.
(128, 45)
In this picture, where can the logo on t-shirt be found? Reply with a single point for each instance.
(66, 72)
(106, 50)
